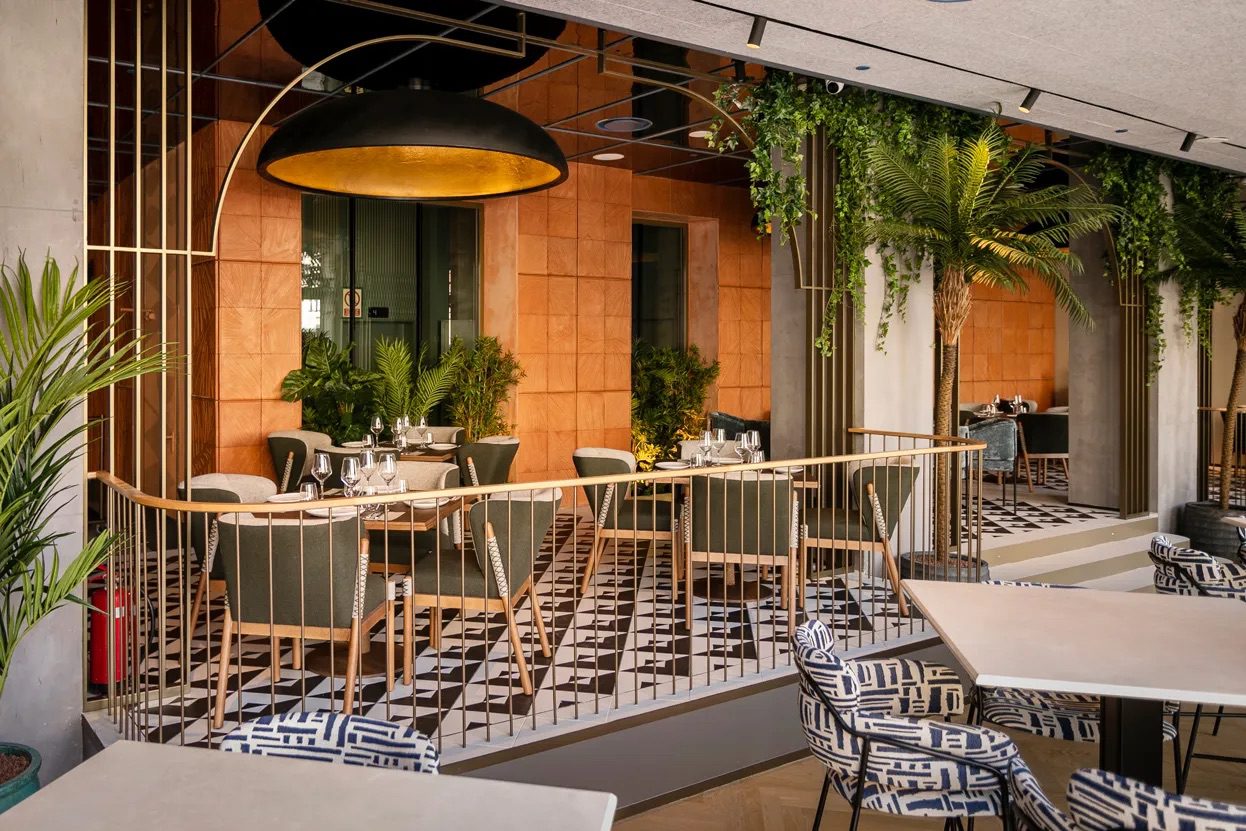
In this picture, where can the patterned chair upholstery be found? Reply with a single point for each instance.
(332, 737)
(879, 758)
(292, 452)
(1189, 571)
(1070, 717)
(1101, 801)
(1032, 809)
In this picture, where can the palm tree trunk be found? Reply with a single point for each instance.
(1227, 448)
(952, 303)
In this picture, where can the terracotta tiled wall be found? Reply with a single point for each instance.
(1008, 345)
(246, 311)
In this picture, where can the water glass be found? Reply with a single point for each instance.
(308, 491)
(322, 469)
(754, 440)
(707, 442)
(719, 440)
(742, 446)
(350, 474)
(699, 459)
(367, 464)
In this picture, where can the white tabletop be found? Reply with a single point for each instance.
(138, 786)
(1123, 644)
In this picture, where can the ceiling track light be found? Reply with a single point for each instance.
(755, 34)
(1188, 142)
(1030, 99)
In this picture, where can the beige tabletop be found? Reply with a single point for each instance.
(1119, 644)
(135, 785)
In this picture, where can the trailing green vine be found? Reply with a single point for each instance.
(779, 114)
(1207, 197)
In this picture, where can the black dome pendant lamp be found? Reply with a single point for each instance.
(412, 144)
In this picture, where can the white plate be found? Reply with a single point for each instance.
(338, 513)
(442, 446)
(285, 497)
(792, 470)
(672, 465)
(353, 444)
(427, 504)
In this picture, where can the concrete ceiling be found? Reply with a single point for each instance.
(1150, 67)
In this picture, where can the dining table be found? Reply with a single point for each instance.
(1135, 651)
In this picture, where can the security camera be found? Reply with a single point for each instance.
(834, 87)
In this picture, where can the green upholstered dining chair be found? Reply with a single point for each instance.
(441, 434)
(487, 461)
(744, 517)
(507, 532)
(1045, 438)
(292, 452)
(617, 516)
(1003, 452)
(203, 531)
(304, 579)
(878, 495)
(392, 551)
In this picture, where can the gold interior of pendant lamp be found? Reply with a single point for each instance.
(411, 172)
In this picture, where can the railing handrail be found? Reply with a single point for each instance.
(1206, 408)
(956, 444)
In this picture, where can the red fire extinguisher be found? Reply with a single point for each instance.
(101, 616)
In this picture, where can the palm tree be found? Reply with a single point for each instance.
(1213, 270)
(972, 208)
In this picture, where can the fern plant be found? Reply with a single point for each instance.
(405, 385)
(48, 367)
(484, 375)
(965, 205)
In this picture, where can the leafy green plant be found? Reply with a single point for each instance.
(484, 375)
(669, 387)
(338, 397)
(406, 386)
(964, 205)
(47, 369)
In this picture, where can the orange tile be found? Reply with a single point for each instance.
(533, 294)
(591, 218)
(618, 260)
(618, 296)
(592, 258)
(589, 411)
(590, 336)
(240, 285)
(589, 371)
(533, 213)
(617, 373)
(533, 453)
(561, 255)
(239, 238)
(243, 196)
(534, 367)
(533, 333)
(560, 445)
(563, 218)
(728, 336)
(531, 412)
(561, 373)
(276, 200)
(729, 400)
(560, 411)
(532, 254)
(563, 292)
(238, 331)
(618, 331)
(280, 415)
(591, 297)
(274, 370)
(282, 333)
(239, 424)
(590, 437)
(281, 239)
(651, 193)
(616, 408)
(562, 334)
(282, 286)
(240, 378)
(591, 183)
(617, 222)
(253, 461)
(620, 438)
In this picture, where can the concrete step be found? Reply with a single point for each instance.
(1037, 544)
(1121, 565)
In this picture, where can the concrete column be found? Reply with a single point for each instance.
(896, 389)
(41, 89)
(789, 357)
(1174, 419)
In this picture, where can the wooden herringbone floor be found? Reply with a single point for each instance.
(784, 799)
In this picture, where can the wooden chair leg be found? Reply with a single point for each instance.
(1065, 464)
(525, 680)
(593, 555)
(539, 617)
(352, 667)
(296, 653)
(390, 607)
(222, 675)
(408, 640)
(200, 592)
(274, 646)
(434, 627)
(893, 574)
(789, 592)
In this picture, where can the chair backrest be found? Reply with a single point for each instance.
(441, 434)
(519, 521)
(748, 512)
(1100, 801)
(1184, 570)
(490, 460)
(429, 476)
(1034, 810)
(1000, 435)
(735, 424)
(829, 693)
(324, 736)
(219, 487)
(893, 485)
(1046, 434)
(602, 461)
(336, 455)
(312, 573)
(292, 455)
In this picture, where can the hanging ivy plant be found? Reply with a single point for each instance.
(780, 114)
(1206, 196)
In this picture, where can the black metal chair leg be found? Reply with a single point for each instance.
(1215, 729)
(826, 786)
(1189, 750)
(1176, 752)
(859, 794)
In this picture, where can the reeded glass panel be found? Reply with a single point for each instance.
(659, 265)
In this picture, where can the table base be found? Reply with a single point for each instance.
(729, 588)
(317, 660)
(1131, 740)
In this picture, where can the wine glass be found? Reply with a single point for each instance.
(350, 474)
(367, 465)
(322, 469)
(400, 441)
(718, 440)
(754, 440)
(378, 425)
(388, 469)
(742, 448)
(707, 443)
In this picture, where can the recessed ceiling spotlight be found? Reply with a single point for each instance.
(755, 34)
(1122, 129)
(1188, 142)
(700, 134)
(624, 124)
(607, 157)
(1028, 102)
(863, 67)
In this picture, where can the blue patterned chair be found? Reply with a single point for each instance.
(1070, 717)
(1032, 810)
(324, 736)
(1102, 801)
(860, 720)
(1189, 571)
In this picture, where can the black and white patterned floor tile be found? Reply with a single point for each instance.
(625, 642)
(1046, 508)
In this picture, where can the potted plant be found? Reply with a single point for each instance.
(972, 208)
(50, 361)
(484, 376)
(669, 388)
(405, 386)
(338, 397)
